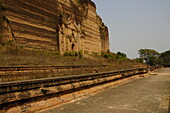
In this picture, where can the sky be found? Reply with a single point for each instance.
(136, 24)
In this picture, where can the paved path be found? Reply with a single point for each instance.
(150, 94)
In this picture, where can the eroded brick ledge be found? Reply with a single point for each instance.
(35, 95)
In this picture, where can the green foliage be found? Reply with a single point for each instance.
(150, 56)
(7, 43)
(95, 54)
(153, 58)
(140, 60)
(86, 52)
(112, 56)
(121, 56)
(70, 53)
(165, 58)
(107, 55)
(10, 42)
(21, 46)
(74, 53)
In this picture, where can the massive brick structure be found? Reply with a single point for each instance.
(59, 25)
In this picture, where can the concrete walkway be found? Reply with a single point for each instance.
(150, 94)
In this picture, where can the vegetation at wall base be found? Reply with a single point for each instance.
(108, 55)
(11, 56)
(74, 53)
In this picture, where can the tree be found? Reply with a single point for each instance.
(150, 56)
(140, 60)
(165, 58)
(121, 56)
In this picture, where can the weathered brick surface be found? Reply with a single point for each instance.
(45, 93)
(60, 25)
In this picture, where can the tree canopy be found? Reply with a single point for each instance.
(149, 56)
(121, 56)
(152, 57)
(165, 58)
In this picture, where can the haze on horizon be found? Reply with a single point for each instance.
(136, 24)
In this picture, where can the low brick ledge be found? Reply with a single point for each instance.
(23, 68)
(14, 86)
(17, 91)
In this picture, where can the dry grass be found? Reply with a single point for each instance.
(21, 57)
(14, 56)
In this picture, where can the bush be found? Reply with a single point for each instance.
(69, 53)
(139, 60)
(107, 55)
(165, 58)
(95, 54)
(74, 53)
(121, 56)
(86, 52)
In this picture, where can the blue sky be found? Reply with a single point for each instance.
(136, 24)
